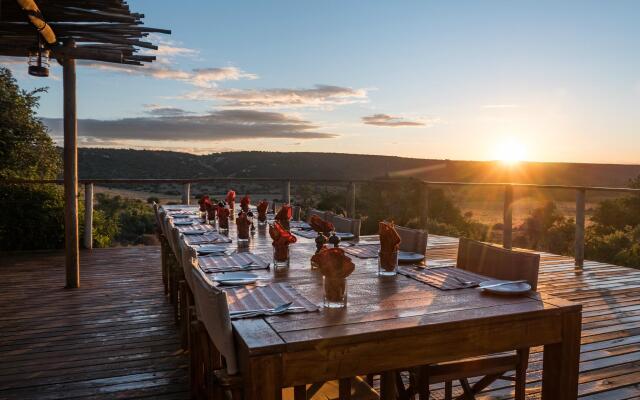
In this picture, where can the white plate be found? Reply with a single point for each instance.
(182, 222)
(406, 256)
(508, 289)
(345, 235)
(236, 278)
(195, 232)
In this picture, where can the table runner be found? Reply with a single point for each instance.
(232, 262)
(443, 278)
(267, 297)
(207, 238)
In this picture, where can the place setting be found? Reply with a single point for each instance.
(265, 300)
(225, 262)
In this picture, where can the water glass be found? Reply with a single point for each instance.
(387, 263)
(335, 292)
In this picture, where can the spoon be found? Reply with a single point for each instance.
(465, 283)
(278, 309)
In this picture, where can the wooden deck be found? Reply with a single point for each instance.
(115, 338)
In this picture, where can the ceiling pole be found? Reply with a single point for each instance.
(72, 259)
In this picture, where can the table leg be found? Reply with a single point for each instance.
(263, 378)
(561, 361)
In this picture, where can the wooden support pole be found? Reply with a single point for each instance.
(579, 243)
(72, 250)
(424, 209)
(507, 223)
(88, 215)
(186, 193)
(351, 199)
(286, 192)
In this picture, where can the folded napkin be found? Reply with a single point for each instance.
(389, 245)
(223, 217)
(211, 209)
(231, 198)
(244, 203)
(204, 202)
(320, 225)
(281, 240)
(262, 207)
(284, 215)
(243, 224)
(335, 266)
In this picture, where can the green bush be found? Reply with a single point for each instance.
(31, 217)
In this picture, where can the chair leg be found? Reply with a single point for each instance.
(300, 392)
(448, 390)
(468, 392)
(388, 385)
(184, 320)
(521, 373)
(422, 384)
(344, 389)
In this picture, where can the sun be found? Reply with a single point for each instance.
(510, 151)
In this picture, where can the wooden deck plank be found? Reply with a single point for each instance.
(112, 338)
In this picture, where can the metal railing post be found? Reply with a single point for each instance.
(186, 193)
(424, 201)
(351, 199)
(286, 192)
(88, 215)
(579, 242)
(507, 222)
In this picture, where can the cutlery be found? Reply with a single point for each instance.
(281, 307)
(504, 283)
(465, 283)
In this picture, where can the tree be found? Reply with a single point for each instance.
(26, 150)
(30, 216)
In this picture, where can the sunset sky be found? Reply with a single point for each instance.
(480, 80)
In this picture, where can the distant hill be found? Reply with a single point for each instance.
(119, 163)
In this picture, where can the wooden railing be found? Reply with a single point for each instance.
(350, 186)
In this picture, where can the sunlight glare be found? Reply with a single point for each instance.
(510, 151)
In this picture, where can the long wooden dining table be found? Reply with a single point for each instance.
(393, 323)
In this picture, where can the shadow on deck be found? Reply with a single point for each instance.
(115, 336)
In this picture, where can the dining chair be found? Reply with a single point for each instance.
(344, 224)
(499, 263)
(412, 240)
(176, 273)
(163, 246)
(214, 363)
(322, 214)
(296, 211)
(189, 262)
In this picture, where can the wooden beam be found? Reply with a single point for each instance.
(72, 251)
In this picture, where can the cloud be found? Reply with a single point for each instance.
(221, 125)
(395, 121)
(205, 76)
(494, 106)
(317, 96)
(157, 110)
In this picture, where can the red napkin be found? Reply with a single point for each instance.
(211, 210)
(231, 197)
(320, 225)
(223, 217)
(243, 224)
(389, 244)
(262, 210)
(244, 203)
(204, 201)
(333, 263)
(281, 241)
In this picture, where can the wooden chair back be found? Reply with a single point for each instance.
(497, 262)
(412, 240)
(174, 243)
(189, 261)
(296, 210)
(343, 224)
(322, 214)
(212, 310)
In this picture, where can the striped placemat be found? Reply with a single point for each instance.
(232, 263)
(299, 224)
(443, 278)
(207, 238)
(363, 250)
(267, 297)
(305, 233)
(196, 226)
